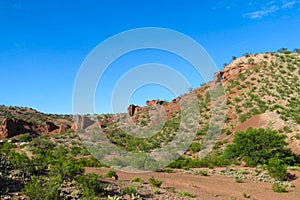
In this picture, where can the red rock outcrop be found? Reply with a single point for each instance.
(50, 127)
(132, 109)
(232, 71)
(218, 77)
(13, 127)
(63, 128)
(154, 102)
(82, 122)
(8, 128)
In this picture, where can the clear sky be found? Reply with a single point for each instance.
(43, 43)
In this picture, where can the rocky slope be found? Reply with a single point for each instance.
(17, 120)
(260, 90)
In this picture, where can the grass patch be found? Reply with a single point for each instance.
(155, 182)
(186, 194)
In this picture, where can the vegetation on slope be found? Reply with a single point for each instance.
(53, 167)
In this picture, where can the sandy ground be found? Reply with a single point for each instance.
(213, 186)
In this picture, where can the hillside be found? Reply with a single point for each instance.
(20, 120)
(42, 152)
(260, 90)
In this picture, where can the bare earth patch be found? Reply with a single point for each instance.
(262, 121)
(214, 186)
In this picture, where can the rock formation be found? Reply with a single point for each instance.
(154, 102)
(50, 127)
(8, 128)
(132, 109)
(82, 122)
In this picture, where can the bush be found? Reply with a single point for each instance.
(137, 180)
(245, 195)
(168, 170)
(277, 169)
(91, 185)
(68, 170)
(75, 150)
(21, 162)
(203, 173)
(278, 188)
(89, 162)
(155, 182)
(130, 190)
(186, 194)
(41, 189)
(25, 137)
(6, 146)
(257, 146)
(195, 147)
(211, 160)
(111, 174)
(238, 180)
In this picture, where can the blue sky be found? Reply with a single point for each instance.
(43, 43)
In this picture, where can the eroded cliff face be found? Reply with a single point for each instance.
(12, 127)
(8, 128)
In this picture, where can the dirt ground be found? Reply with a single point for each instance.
(214, 186)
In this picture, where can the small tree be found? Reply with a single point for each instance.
(257, 146)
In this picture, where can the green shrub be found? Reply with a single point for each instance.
(137, 180)
(277, 169)
(257, 146)
(21, 162)
(238, 180)
(89, 162)
(75, 150)
(25, 137)
(155, 182)
(236, 99)
(278, 188)
(171, 189)
(211, 160)
(40, 189)
(5, 147)
(168, 170)
(203, 173)
(186, 194)
(156, 191)
(245, 195)
(111, 174)
(130, 190)
(195, 147)
(91, 185)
